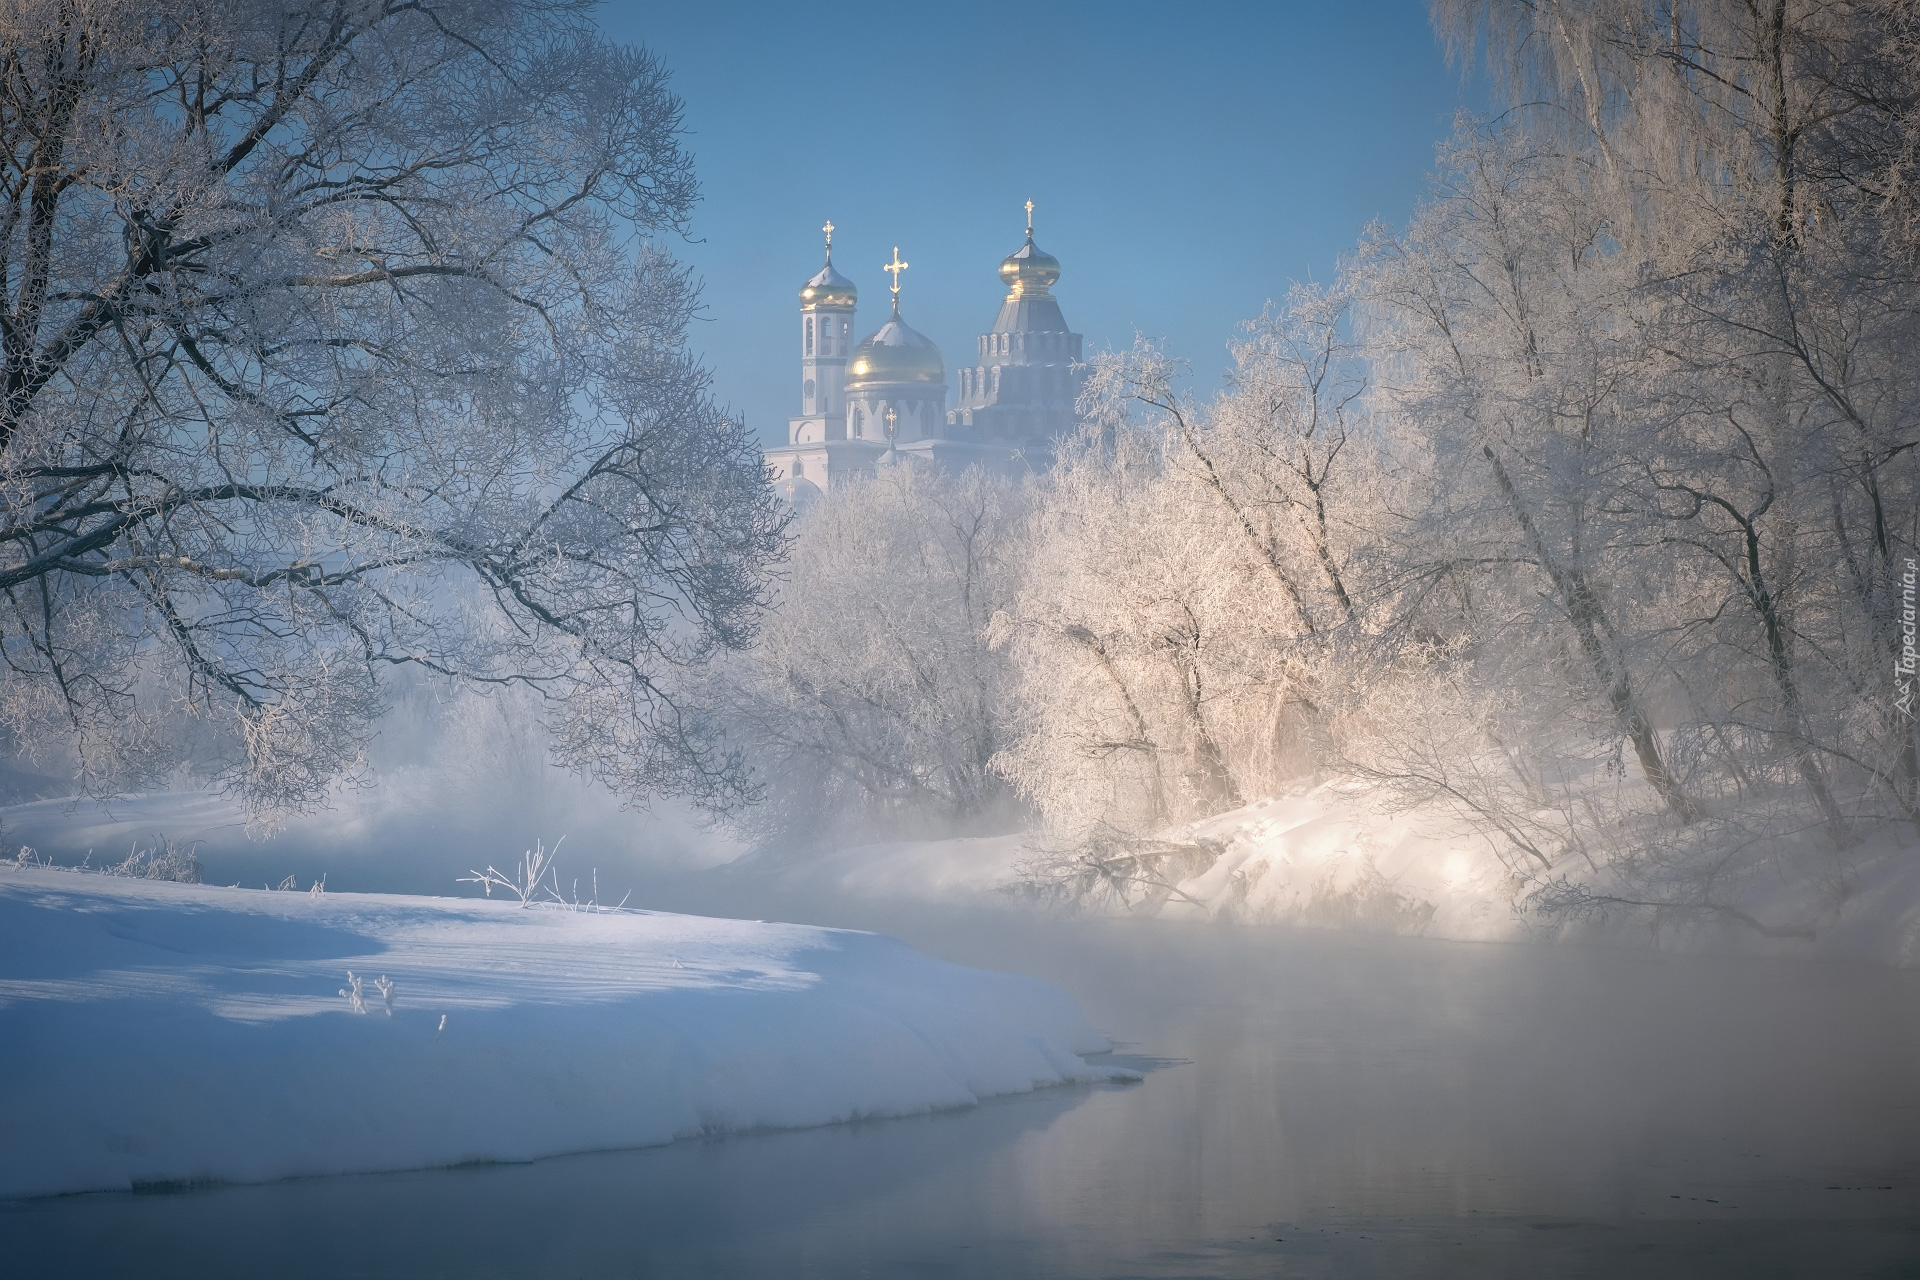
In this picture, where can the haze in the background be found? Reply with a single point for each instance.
(1187, 162)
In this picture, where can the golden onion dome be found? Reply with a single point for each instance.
(1029, 271)
(828, 288)
(895, 353)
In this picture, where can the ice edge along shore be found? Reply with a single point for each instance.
(163, 1033)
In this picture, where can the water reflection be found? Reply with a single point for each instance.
(815, 1201)
(1313, 1106)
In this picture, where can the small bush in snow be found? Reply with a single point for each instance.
(535, 882)
(164, 860)
(526, 882)
(355, 992)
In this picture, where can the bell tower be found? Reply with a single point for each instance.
(827, 304)
(1023, 389)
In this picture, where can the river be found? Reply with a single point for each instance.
(1313, 1105)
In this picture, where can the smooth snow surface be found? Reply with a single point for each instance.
(161, 1033)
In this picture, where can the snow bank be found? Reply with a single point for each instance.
(159, 1033)
(1338, 856)
(1329, 856)
(442, 830)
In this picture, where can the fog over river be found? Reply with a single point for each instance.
(1313, 1105)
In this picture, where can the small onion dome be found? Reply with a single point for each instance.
(1029, 271)
(896, 353)
(828, 289)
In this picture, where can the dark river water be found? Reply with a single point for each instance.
(1313, 1106)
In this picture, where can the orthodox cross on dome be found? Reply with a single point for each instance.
(1029, 219)
(896, 267)
(829, 230)
(893, 418)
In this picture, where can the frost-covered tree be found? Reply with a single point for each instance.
(873, 703)
(1591, 517)
(336, 338)
(1654, 328)
(1503, 326)
(1748, 167)
(1194, 572)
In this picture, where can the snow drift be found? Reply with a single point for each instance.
(1342, 855)
(161, 1033)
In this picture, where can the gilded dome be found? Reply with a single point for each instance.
(828, 288)
(1029, 271)
(896, 353)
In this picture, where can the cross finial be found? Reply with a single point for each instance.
(829, 230)
(1029, 219)
(892, 420)
(896, 267)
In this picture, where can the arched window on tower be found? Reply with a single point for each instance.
(809, 335)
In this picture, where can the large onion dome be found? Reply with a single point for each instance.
(1029, 271)
(896, 353)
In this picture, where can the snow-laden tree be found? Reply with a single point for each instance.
(1747, 165)
(1194, 571)
(1502, 325)
(1592, 526)
(872, 703)
(1655, 329)
(336, 338)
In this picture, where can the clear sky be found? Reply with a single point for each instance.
(1187, 160)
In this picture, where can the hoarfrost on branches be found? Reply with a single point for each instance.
(339, 338)
(1582, 507)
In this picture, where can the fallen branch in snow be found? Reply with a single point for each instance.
(1564, 899)
(1138, 872)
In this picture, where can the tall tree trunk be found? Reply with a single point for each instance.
(1590, 627)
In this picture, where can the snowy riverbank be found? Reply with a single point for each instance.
(164, 1033)
(1335, 856)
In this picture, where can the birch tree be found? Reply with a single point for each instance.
(1753, 162)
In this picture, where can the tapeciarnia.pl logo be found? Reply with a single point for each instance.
(1904, 665)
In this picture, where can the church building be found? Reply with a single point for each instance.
(883, 400)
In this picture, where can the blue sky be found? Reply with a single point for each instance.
(1187, 161)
